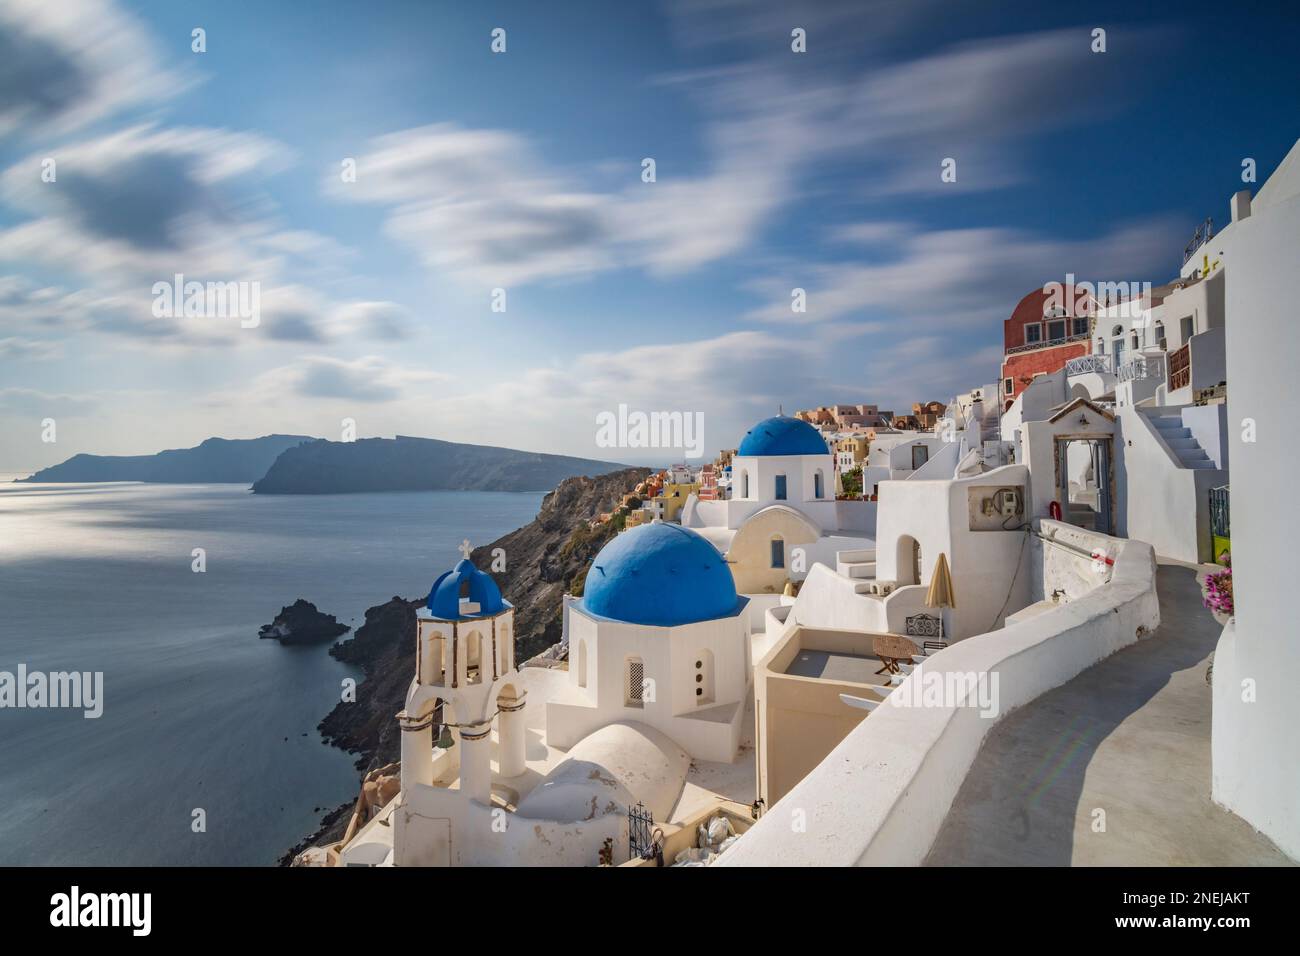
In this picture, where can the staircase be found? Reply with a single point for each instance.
(1179, 440)
(858, 564)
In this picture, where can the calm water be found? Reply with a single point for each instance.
(198, 712)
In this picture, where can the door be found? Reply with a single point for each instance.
(920, 455)
(1101, 475)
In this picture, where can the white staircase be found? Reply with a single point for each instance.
(858, 564)
(1180, 441)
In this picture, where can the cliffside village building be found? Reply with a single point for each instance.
(783, 647)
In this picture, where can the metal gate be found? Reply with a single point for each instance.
(1220, 524)
(640, 827)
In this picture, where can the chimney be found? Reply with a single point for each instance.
(1240, 204)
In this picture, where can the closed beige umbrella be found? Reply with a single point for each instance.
(940, 594)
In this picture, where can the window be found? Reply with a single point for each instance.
(474, 658)
(817, 485)
(780, 487)
(920, 455)
(1160, 334)
(1056, 331)
(582, 663)
(1009, 386)
(744, 484)
(1033, 333)
(635, 671)
(704, 678)
(778, 553)
(1080, 326)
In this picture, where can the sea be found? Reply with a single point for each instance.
(207, 751)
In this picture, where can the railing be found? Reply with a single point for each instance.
(1180, 368)
(1088, 363)
(1081, 337)
(1204, 233)
(1142, 366)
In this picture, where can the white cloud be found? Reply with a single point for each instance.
(71, 62)
(957, 279)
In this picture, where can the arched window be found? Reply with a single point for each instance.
(778, 553)
(634, 682)
(744, 484)
(818, 490)
(473, 658)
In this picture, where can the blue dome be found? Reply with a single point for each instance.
(662, 575)
(467, 580)
(782, 436)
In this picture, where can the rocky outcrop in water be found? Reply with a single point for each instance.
(301, 623)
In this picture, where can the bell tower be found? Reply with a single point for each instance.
(465, 658)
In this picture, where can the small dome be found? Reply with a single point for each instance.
(782, 435)
(661, 575)
(467, 581)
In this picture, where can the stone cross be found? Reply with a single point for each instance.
(465, 549)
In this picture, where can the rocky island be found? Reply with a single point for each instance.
(301, 623)
(417, 464)
(216, 460)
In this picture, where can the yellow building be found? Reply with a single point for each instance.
(668, 505)
(851, 451)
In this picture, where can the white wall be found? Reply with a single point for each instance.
(1255, 746)
(990, 575)
(668, 655)
(1160, 501)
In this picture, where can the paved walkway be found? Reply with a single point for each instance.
(1130, 736)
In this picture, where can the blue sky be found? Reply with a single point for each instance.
(522, 171)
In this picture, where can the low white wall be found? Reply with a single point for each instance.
(881, 796)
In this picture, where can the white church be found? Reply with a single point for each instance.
(543, 766)
(783, 515)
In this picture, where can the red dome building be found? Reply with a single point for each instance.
(1047, 328)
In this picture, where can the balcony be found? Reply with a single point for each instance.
(1180, 368)
(1100, 364)
(1142, 367)
(1049, 343)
